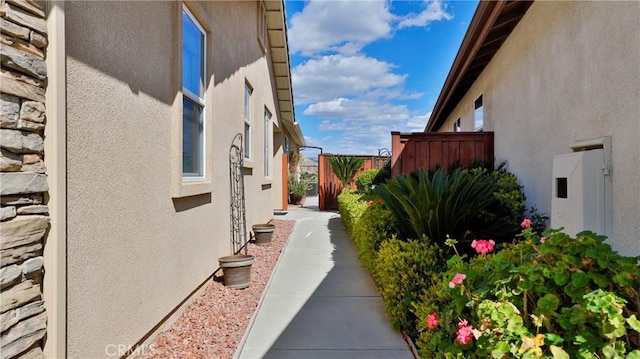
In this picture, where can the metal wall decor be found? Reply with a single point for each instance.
(238, 213)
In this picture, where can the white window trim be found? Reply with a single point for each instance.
(182, 186)
(247, 119)
(262, 26)
(475, 109)
(268, 139)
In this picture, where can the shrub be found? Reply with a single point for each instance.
(552, 297)
(403, 271)
(384, 173)
(501, 219)
(345, 168)
(364, 181)
(375, 226)
(351, 207)
(438, 205)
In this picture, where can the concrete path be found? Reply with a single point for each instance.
(320, 302)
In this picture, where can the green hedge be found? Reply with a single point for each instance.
(364, 181)
(404, 270)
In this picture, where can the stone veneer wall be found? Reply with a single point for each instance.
(23, 179)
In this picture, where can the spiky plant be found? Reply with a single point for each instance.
(440, 204)
(345, 168)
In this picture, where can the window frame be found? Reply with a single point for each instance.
(247, 120)
(267, 143)
(188, 95)
(478, 107)
(180, 186)
(262, 26)
(456, 125)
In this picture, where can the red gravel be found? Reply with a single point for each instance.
(213, 325)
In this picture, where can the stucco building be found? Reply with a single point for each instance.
(117, 122)
(549, 79)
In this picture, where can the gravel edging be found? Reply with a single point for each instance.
(215, 324)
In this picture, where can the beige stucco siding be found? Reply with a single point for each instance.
(568, 72)
(134, 252)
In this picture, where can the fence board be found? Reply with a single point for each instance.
(416, 150)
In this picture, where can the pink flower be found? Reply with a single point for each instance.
(483, 246)
(457, 279)
(380, 201)
(526, 223)
(369, 203)
(464, 335)
(543, 239)
(432, 320)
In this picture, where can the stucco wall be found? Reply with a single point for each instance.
(568, 72)
(134, 253)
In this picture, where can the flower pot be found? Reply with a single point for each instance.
(295, 199)
(262, 234)
(236, 270)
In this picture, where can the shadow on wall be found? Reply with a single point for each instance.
(139, 44)
(187, 203)
(329, 193)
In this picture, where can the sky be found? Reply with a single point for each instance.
(361, 69)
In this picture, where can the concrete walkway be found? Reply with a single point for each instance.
(320, 303)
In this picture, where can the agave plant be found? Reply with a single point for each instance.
(441, 204)
(345, 168)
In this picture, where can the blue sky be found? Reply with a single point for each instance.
(361, 69)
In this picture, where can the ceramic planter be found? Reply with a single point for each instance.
(236, 270)
(262, 233)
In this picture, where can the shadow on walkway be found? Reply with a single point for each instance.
(321, 303)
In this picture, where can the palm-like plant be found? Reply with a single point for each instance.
(345, 168)
(440, 204)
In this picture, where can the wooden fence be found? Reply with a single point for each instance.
(329, 186)
(411, 151)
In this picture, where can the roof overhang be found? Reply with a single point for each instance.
(490, 26)
(279, 51)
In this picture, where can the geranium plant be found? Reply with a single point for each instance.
(546, 297)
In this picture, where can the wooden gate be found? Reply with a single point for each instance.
(329, 186)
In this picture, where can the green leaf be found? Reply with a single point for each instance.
(634, 323)
(610, 352)
(634, 354)
(554, 339)
(549, 303)
(558, 353)
(561, 278)
(500, 351)
(579, 279)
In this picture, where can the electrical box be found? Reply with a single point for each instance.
(580, 192)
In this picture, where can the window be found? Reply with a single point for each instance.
(267, 143)
(262, 26)
(247, 120)
(478, 114)
(456, 126)
(193, 103)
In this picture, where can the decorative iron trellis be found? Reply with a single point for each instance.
(238, 212)
(383, 156)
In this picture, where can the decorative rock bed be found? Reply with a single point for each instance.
(213, 325)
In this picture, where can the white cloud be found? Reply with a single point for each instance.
(334, 76)
(366, 111)
(434, 11)
(339, 26)
(416, 123)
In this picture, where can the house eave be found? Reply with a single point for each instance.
(490, 26)
(279, 52)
